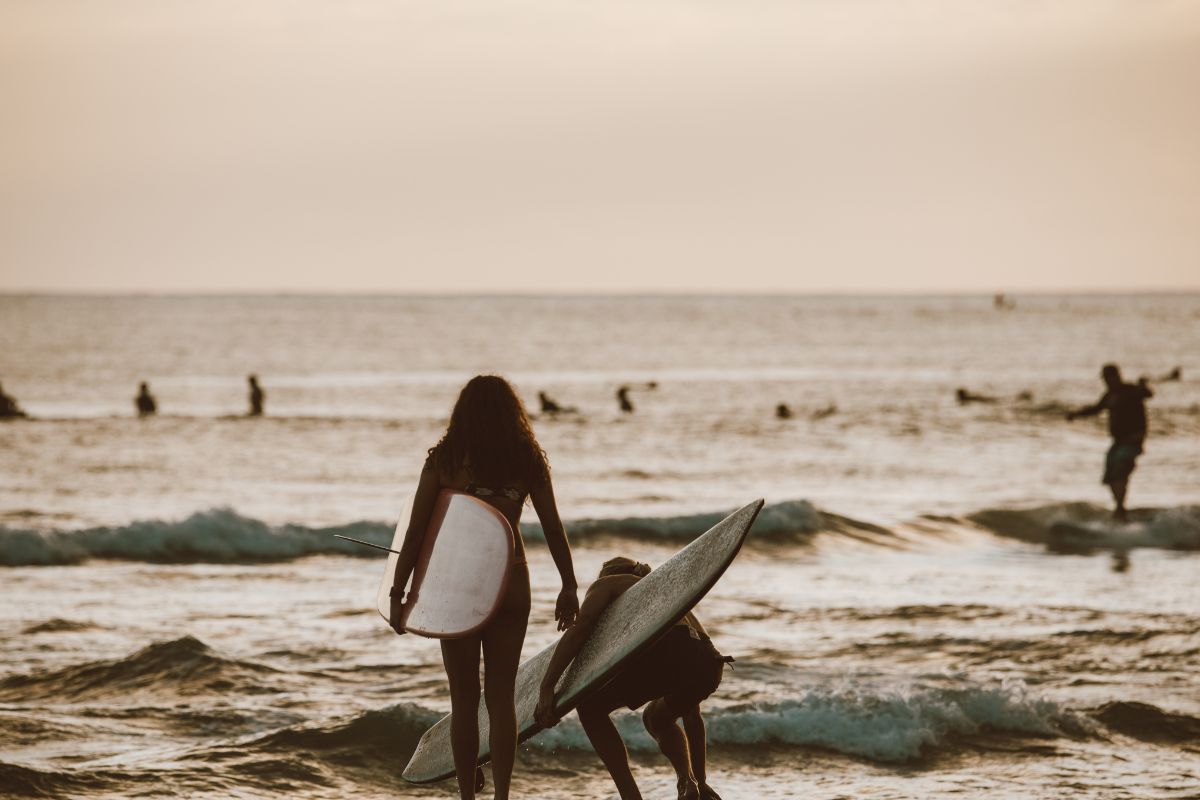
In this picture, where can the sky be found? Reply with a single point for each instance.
(620, 146)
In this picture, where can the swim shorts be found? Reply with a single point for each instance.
(1121, 458)
(683, 668)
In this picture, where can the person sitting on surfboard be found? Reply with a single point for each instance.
(674, 676)
(489, 450)
(1126, 407)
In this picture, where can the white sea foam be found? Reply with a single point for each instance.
(887, 725)
(1176, 528)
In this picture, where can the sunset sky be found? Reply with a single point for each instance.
(631, 145)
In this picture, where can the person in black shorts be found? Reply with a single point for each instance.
(671, 679)
(1126, 407)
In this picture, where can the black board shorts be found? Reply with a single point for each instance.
(1120, 461)
(682, 668)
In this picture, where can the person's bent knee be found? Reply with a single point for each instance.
(656, 715)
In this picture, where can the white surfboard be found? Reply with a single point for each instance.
(632, 623)
(461, 571)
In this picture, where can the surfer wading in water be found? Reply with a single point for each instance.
(489, 450)
(674, 676)
(1126, 407)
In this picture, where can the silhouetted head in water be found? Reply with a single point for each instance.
(622, 565)
(1111, 374)
(490, 436)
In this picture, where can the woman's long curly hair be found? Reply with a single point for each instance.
(490, 436)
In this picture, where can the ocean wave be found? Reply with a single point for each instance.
(184, 666)
(377, 740)
(21, 781)
(785, 521)
(218, 535)
(1149, 723)
(884, 725)
(1076, 527)
(59, 625)
(222, 535)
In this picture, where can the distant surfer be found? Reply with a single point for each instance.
(782, 411)
(257, 396)
(1126, 407)
(673, 677)
(489, 450)
(966, 397)
(1172, 376)
(827, 411)
(552, 407)
(623, 400)
(9, 408)
(146, 405)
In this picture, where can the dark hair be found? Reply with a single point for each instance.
(489, 436)
(1111, 371)
(622, 565)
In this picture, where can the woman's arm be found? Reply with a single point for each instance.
(560, 550)
(414, 536)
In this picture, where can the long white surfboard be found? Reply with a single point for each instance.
(632, 623)
(462, 568)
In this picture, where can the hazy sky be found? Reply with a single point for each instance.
(623, 145)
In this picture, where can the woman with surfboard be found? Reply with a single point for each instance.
(489, 454)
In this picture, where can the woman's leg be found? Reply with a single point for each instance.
(502, 642)
(461, 658)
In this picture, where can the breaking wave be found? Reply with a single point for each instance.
(890, 726)
(1081, 526)
(222, 535)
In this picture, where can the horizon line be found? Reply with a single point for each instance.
(606, 293)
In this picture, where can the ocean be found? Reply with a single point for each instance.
(908, 618)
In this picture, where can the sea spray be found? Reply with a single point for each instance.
(882, 724)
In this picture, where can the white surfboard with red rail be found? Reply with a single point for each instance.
(461, 572)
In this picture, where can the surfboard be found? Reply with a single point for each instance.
(632, 623)
(461, 571)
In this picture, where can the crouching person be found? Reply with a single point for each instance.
(671, 679)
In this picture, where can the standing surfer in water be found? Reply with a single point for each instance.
(674, 676)
(1126, 407)
(489, 450)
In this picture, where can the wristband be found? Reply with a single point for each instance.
(397, 592)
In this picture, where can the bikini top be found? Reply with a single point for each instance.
(515, 495)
